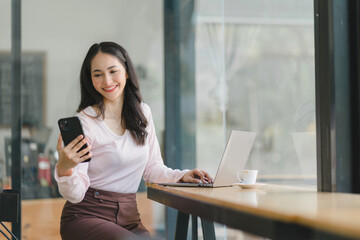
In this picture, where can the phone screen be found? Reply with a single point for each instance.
(70, 128)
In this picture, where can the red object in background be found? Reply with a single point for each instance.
(44, 171)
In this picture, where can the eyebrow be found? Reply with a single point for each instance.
(97, 70)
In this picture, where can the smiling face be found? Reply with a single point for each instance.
(108, 77)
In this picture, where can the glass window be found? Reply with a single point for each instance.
(209, 80)
(5, 100)
(255, 72)
(5, 94)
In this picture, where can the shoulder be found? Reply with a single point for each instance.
(89, 122)
(146, 110)
(88, 114)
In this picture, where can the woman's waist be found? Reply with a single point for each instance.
(110, 195)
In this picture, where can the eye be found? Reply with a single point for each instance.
(113, 71)
(97, 75)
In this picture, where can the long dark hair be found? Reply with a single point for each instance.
(132, 115)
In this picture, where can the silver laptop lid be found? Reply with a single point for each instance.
(235, 156)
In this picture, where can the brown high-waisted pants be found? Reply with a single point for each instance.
(102, 215)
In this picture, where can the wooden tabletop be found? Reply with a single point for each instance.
(334, 213)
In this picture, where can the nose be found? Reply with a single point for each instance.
(107, 78)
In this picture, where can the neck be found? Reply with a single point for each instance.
(113, 109)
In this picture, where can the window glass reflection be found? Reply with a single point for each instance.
(265, 84)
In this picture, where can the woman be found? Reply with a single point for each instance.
(122, 145)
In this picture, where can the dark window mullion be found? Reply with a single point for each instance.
(354, 35)
(337, 104)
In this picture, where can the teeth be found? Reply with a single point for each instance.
(110, 88)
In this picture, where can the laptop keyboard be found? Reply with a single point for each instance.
(205, 184)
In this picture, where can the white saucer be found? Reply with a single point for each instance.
(243, 185)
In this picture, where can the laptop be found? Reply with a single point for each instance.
(234, 158)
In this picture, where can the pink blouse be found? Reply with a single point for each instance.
(117, 163)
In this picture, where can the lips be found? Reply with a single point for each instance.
(110, 89)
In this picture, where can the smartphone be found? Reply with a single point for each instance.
(70, 128)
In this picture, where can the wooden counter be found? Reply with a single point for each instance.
(274, 211)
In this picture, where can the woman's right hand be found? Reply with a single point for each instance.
(68, 155)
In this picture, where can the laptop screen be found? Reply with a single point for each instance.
(235, 157)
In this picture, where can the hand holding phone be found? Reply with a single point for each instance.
(70, 128)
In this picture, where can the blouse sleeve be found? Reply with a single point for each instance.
(155, 170)
(74, 187)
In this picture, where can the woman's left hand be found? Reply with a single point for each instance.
(195, 176)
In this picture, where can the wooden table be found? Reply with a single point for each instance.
(272, 211)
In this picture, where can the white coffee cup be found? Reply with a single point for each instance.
(247, 176)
